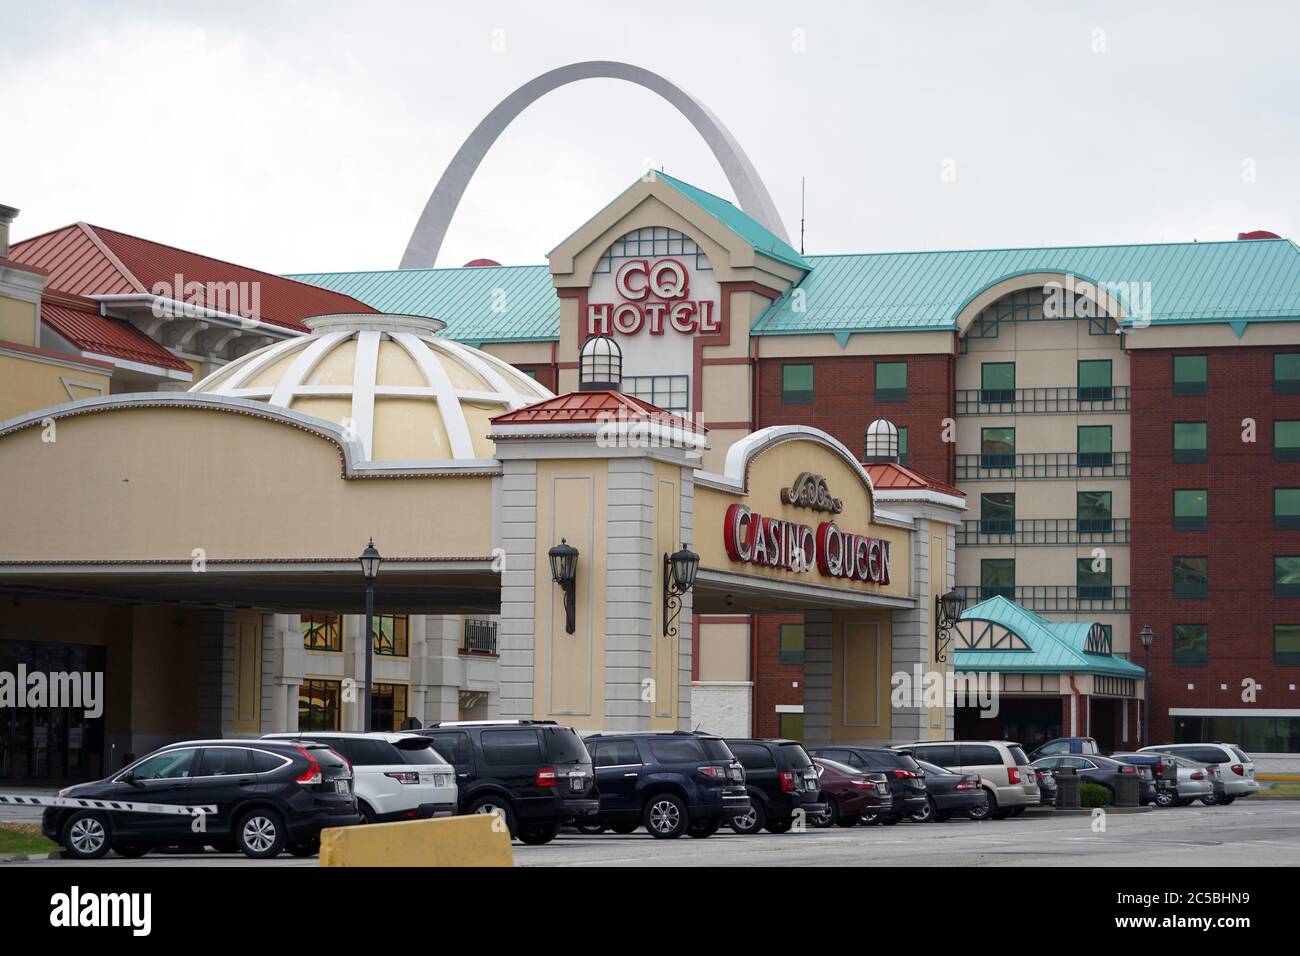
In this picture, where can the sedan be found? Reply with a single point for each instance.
(949, 792)
(1103, 771)
(1189, 780)
(849, 794)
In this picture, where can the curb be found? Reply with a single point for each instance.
(27, 857)
(1082, 811)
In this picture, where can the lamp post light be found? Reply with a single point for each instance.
(564, 572)
(1146, 634)
(679, 577)
(370, 561)
(947, 612)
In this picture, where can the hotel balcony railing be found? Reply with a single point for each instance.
(1026, 401)
(480, 637)
(1044, 531)
(1049, 464)
(1053, 597)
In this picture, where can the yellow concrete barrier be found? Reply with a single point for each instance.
(451, 841)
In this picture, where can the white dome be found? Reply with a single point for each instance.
(882, 440)
(400, 390)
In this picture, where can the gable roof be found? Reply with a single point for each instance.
(594, 407)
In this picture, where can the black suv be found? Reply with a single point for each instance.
(268, 795)
(535, 773)
(670, 783)
(782, 782)
(906, 779)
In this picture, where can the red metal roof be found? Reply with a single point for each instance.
(891, 476)
(90, 260)
(89, 331)
(593, 407)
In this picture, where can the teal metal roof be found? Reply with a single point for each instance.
(1191, 282)
(1056, 646)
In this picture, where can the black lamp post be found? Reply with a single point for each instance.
(679, 577)
(370, 561)
(1146, 634)
(564, 572)
(947, 612)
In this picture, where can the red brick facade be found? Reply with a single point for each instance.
(774, 682)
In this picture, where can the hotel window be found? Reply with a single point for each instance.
(1286, 577)
(997, 447)
(1191, 442)
(1093, 510)
(1095, 383)
(1286, 373)
(1094, 585)
(998, 577)
(387, 706)
(1286, 645)
(998, 513)
(1191, 509)
(1286, 441)
(797, 384)
(997, 382)
(902, 445)
(322, 632)
(318, 705)
(1095, 446)
(790, 726)
(1191, 374)
(891, 381)
(1191, 578)
(530, 372)
(1191, 644)
(389, 634)
(1286, 509)
(670, 392)
(791, 637)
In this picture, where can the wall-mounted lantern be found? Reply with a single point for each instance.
(679, 577)
(564, 572)
(947, 612)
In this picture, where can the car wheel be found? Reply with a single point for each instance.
(848, 820)
(132, 851)
(310, 848)
(891, 820)
(665, 816)
(537, 834)
(499, 806)
(703, 829)
(986, 812)
(828, 819)
(779, 826)
(1211, 801)
(367, 814)
(591, 829)
(1165, 798)
(751, 821)
(86, 835)
(623, 829)
(260, 834)
(870, 819)
(926, 815)
(1224, 801)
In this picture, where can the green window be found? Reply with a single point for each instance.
(1191, 509)
(1286, 441)
(998, 577)
(1286, 645)
(1191, 644)
(1095, 381)
(1191, 442)
(998, 382)
(791, 651)
(891, 381)
(1094, 584)
(797, 384)
(790, 726)
(1093, 511)
(1286, 509)
(1191, 374)
(1286, 373)
(322, 632)
(1095, 447)
(997, 448)
(998, 513)
(1286, 576)
(1191, 578)
(902, 444)
(389, 633)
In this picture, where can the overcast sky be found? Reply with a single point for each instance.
(307, 136)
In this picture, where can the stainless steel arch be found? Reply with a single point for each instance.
(426, 240)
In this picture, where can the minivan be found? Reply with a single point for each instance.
(1004, 770)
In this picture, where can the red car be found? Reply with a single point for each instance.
(850, 793)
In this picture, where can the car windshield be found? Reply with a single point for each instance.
(419, 751)
(715, 748)
(565, 746)
(1241, 754)
(838, 767)
(931, 767)
(796, 755)
(1017, 755)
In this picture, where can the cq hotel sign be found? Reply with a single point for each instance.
(653, 295)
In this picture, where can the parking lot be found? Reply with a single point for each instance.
(1249, 833)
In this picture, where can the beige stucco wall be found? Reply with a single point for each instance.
(724, 651)
(17, 321)
(28, 383)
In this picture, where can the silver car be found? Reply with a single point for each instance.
(1234, 770)
(1190, 781)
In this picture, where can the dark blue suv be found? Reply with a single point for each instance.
(670, 783)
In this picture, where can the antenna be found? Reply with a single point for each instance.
(803, 180)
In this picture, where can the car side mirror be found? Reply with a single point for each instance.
(129, 778)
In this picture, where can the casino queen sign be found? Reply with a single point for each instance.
(654, 296)
(775, 543)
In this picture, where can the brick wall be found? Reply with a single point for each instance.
(774, 681)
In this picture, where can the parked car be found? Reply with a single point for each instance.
(782, 783)
(269, 795)
(1003, 768)
(1046, 786)
(537, 774)
(906, 781)
(670, 783)
(849, 794)
(1105, 771)
(1179, 781)
(948, 792)
(1061, 746)
(394, 776)
(1233, 767)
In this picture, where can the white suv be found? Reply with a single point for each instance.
(395, 776)
(1234, 769)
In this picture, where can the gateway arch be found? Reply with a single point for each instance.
(426, 240)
